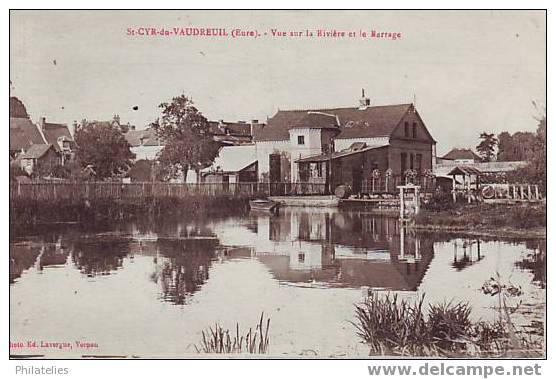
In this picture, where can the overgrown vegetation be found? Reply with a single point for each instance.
(483, 216)
(222, 341)
(393, 327)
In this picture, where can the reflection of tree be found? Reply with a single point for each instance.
(535, 261)
(100, 256)
(53, 255)
(170, 227)
(185, 268)
(21, 258)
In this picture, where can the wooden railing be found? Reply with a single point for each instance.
(389, 184)
(50, 191)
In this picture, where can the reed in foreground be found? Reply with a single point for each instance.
(393, 327)
(222, 341)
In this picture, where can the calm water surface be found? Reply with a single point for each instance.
(148, 289)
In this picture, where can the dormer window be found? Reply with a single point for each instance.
(406, 129)
(414, 130)
(301, 140)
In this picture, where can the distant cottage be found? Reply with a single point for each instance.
(31, 144)
(461, 156)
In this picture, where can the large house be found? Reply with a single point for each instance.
(343, 145)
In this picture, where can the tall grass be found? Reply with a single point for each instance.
(395, 327)
(221, 341)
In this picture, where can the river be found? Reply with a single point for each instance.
(147, 289)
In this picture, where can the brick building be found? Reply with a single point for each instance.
(344, 145)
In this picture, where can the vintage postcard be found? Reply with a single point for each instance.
(292, 184)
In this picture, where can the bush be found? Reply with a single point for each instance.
(440, 201)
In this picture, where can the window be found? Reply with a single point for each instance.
(406, 129)
(403, 163)
(319, 170)
(414, 130)
(301, 257)
(411, 161)
(418, 162)
(301, 140)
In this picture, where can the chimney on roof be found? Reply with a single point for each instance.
(364, 102)
(253, 126)
(42, 121)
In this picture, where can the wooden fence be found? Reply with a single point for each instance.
(51, 191)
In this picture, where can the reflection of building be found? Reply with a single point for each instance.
(466, 253)
(341, 249)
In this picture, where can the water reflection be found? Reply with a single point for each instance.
(466, 253)
(298, 246)
(99, 255)
(304, 267)
(341, 249)
(182, 267)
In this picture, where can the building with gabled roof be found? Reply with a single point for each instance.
(308, 145)
(60, 137)
(44, 155)
(23, 132)
(232, 165)
(462, 156)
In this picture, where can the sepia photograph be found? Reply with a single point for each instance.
(277, 184)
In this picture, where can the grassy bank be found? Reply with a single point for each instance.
(527, 220)
(28, 212)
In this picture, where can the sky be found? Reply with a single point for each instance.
(468, 71)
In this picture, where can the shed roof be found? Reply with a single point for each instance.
(36, 151)
(354, 149)
(373, 121)
(461, 154)
(233, 159)
(465, 170)
(23, 133)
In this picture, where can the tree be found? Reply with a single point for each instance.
(487, 147)
(535, 171)
(142, 171)
(103, 146)
(516, 147)
(185, 131)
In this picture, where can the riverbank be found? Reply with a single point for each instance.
(486, 220)
(29, 212)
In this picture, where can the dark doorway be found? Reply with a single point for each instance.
(226, 183)
(275, 174)
(357, 178)
(275, 168)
